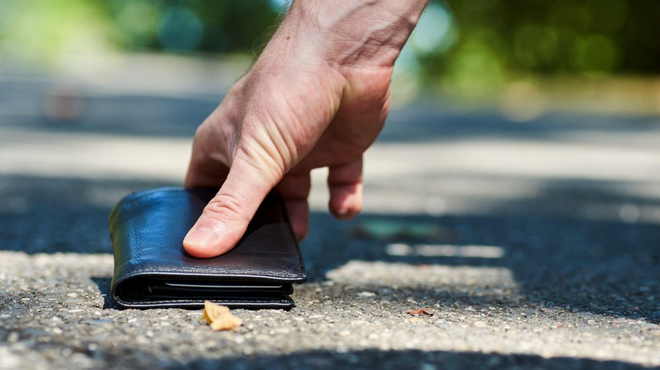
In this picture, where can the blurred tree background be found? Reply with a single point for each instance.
(462, 47)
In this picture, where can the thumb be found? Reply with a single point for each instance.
(225, 219)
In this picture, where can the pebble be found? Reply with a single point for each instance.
(479, 324)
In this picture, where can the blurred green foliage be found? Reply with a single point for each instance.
(44, 29)
(470, 45)
(497, 41)
(502, 39)
(208, 26)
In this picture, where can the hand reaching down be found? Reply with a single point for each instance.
(317, 96)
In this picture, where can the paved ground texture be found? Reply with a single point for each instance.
(529, 245)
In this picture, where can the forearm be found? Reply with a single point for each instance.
(349, 32)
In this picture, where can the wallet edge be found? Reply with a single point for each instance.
(120, 277)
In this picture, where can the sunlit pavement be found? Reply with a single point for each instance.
(532, 244)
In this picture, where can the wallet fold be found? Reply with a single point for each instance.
(152, 269)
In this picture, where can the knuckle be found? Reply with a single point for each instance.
(269, 142)
(226, 207)
(268, 164)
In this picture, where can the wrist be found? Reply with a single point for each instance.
(352, 33)
(350, 44)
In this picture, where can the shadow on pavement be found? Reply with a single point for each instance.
(160, 116)
(407, 359)
(429, 125)
(599, 266)
(104, 283)
(50, 215)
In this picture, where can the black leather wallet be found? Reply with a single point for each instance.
(152, 269)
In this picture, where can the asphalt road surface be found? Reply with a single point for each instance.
(530, 245)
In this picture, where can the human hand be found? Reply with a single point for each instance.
(317, 97)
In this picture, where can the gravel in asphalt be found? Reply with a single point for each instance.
(564, 293)
(539, 248)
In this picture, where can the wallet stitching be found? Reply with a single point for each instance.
(244, 303)
(147, 271)
(286, 300)
(195, 301)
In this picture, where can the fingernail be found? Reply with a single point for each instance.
(201, 237)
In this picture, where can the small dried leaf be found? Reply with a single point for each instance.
(219, 317)
(420, 312)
